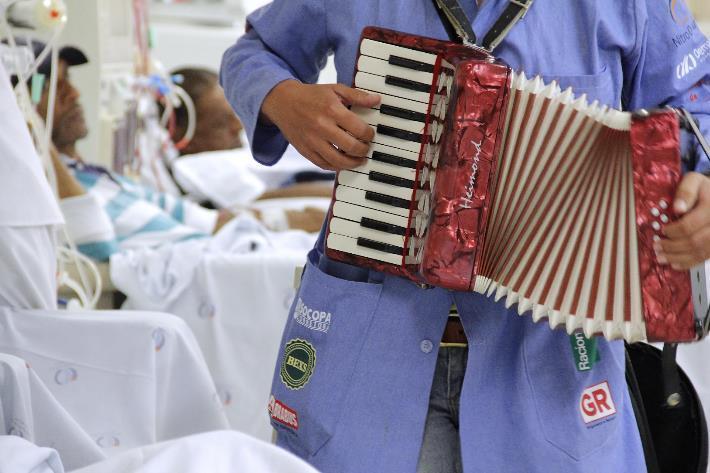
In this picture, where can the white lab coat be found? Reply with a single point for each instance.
(28, 214)
(214, 452)
(234, 292)
(106, 382)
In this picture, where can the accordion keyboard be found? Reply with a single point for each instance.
(378, 202)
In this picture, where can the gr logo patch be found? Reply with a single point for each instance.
(596, 403)
(298, 363)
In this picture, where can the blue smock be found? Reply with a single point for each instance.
(352, 384)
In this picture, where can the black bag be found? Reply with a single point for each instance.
(675, 438)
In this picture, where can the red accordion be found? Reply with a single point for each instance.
(480, 179)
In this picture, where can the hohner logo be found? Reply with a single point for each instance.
(318, 320)
(596, 403)
(470, 187)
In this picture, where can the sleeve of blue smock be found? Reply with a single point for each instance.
(670, 65)
(286, 39)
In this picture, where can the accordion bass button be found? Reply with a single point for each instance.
(656, 226)
(663, 204)
(655, 212)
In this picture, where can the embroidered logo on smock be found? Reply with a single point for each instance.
(584, 350)
(298, 363)
(318, 320)
(282, 414)
(596, 403)
(692, 61)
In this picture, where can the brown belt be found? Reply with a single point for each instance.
(453, 333)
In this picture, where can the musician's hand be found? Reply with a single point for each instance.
(316, 121)
(688, 239)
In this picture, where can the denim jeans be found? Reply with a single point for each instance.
(441, 448)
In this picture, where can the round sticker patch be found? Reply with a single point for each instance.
(298, 363)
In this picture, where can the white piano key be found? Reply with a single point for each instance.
(349, 245)
(373, 116)
(355, 230)
(356, 213)
(357, 197)
(375, 83)
(362, 181)
(381, 67)
(382, 50)
(389, 169)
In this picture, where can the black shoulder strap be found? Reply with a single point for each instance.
(514, 12)
(458, 26)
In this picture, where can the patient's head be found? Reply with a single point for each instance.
(217, 127)
(69, 124)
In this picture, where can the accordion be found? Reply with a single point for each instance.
(480, 179)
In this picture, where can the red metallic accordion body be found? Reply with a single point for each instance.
(471, 204)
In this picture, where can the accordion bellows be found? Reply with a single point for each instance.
(482, 179)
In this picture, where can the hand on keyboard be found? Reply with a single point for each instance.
(316, 120)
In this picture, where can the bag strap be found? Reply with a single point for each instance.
(458, 26)
(649, 449)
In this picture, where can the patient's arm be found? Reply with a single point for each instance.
(305, 189)
(67, 185)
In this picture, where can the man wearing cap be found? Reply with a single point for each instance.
(103, 208)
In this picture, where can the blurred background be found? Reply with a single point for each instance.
(183, 32)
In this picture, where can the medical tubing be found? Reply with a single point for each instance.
(191, 117)
(49, 121)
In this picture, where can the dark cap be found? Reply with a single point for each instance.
(71, 55)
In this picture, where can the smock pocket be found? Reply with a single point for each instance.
(595, 86)
(579, 404)
(327, 326)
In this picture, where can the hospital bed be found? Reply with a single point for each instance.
(95, 384)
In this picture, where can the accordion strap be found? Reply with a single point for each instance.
(514, 12)
(458, 26)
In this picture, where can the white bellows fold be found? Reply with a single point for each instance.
(561, 237)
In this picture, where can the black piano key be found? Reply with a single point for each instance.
(398, 133)
(402, 113)
(387, 199)
(376, 245)
(395, 160)
(382, 226)
(391, 180)
(410, 64)
(407, 84)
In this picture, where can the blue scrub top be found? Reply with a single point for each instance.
(351, 387)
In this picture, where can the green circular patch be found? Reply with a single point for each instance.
(298, 363)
